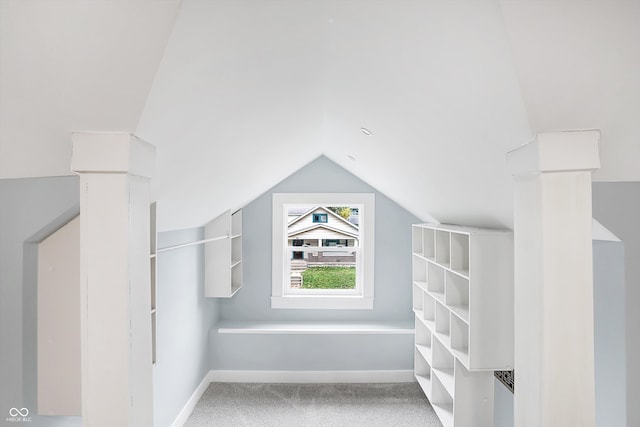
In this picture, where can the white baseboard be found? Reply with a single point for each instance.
(193, 400)
(311, 377)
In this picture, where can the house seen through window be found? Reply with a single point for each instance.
(320, 217)
(322, 247)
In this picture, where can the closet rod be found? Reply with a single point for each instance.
(197, 242)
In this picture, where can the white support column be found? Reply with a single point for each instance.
(115, 171)
(554, 346)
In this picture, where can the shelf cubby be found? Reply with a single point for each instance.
(423, 340)
(428, 309)
(236, 249)
(428, 243)
(236, 277)
(457, 294)
(442, 402)
(443, 247)
(442, 363)
(236, 224)
(417, 298)
(459, 261)
(419, 269)
(460, 339)
(422, 371)
(443, 322)
(435, 281)
(417, 240)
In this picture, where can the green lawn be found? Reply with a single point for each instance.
(329, 278)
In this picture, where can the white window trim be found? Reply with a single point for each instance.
(318, 300)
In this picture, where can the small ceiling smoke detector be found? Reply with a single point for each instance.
(366, 131)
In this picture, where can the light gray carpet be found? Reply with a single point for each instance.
(298, 405)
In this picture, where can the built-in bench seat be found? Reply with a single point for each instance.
(315, 327)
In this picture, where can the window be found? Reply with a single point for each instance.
(320, 217)
(322, 257)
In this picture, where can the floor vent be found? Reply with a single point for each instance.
(506, 378)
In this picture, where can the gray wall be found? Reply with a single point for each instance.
(299, 352)
(502, 405)
(617, 207)
(184, 319)
(30, 209)
(609, 333)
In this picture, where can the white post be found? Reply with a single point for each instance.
(115, 171)
(554, 353)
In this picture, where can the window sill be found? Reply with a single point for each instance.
(322, 302)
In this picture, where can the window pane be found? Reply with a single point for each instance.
(316, 236)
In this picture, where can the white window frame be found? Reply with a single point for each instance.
(282, 296)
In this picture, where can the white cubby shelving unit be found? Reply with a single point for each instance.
(223, 255)
(463, 305)
(153, 250)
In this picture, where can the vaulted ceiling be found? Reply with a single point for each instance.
(238, 94)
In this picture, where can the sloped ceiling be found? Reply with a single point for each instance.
(69, 65)
(248, 91)
(578, 63)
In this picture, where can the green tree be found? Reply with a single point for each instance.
(343, 211)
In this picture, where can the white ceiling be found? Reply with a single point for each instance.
(248, 91)
(68, 65)
(578, 65)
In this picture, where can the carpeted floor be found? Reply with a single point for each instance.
(313, 405)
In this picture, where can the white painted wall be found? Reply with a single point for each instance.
(59, 322)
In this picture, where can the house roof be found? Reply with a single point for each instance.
(324, 209)
(296, 210)
(237, 95)
(326, 227)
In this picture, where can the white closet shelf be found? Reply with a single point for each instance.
(446, 378)
(223, 255)
(444, 412)
(425, 352)
(461, 312)
(421, 285)
(429, 323)
(439, 296)
(463, 303)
